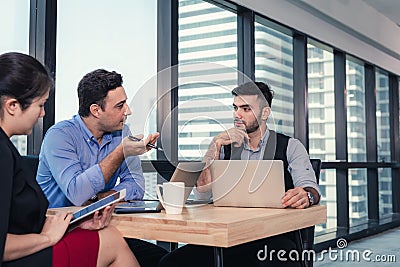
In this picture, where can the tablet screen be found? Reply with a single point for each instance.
(98, 205)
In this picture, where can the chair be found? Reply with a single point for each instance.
(307, 234)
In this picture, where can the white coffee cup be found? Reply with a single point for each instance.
(172, 197)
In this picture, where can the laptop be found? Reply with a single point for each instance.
(248, 183)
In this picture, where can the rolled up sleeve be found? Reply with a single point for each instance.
(300, 166)
(66, 169)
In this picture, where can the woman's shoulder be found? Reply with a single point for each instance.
(5, 149)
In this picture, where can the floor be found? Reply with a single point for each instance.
(379, 250)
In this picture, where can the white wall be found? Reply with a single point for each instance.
(350, 25)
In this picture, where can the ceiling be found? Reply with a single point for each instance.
(389, 8)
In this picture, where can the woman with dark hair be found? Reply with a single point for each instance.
(27, 236)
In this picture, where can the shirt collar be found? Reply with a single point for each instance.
(87, 134)
(262, 142)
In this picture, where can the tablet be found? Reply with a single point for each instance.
(98, 205)
(137, 206)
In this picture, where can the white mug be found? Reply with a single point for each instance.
(172, 197)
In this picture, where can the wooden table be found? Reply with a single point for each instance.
(217, 226)
(220, 227)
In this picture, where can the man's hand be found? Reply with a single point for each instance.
(204, 181)
(233, 135)
(136, 148)
(151, 139)
(296, 198)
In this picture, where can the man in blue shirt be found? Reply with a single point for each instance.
(82, 158)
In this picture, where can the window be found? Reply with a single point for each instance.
(14, 23)
(316, 68)
(316, 114)
(357, 142)
(327, 183)
(91, 37)
(104, 39)
(357, 191)
(321, 105)
(355, 80)
(358, 207)
(385, 192)
(314, 52)
(14, 29)
(317, 144)
(383, 142)
(206, 75)
(382, 116)
(358, 201)
(274, 66)
(315, 83)
(356, 97)
(317, 98)
(317, 129)
(356, 123)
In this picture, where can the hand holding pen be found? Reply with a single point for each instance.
(137, 145)
(133, 138)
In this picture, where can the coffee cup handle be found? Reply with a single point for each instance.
(160, 198)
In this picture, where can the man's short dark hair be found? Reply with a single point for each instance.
(94, 87)
(260, 89)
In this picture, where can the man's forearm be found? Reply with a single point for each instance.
(111, 163)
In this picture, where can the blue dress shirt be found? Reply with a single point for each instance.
(69, 172)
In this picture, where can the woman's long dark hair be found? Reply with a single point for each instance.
(23, 78)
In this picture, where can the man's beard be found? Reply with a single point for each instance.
(254, 126)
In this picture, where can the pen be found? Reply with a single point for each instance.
(149, 145)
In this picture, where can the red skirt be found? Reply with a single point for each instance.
(78, 248)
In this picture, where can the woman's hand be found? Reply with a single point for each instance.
(100, 219)
(55, 226)
(21, 245)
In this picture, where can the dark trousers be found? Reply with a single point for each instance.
(147, 254)
(256, 253)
